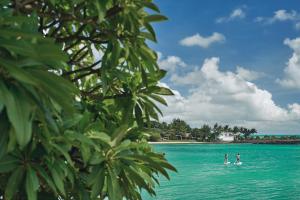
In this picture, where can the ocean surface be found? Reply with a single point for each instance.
(267, 172)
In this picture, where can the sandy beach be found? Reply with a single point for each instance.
(295, 141)
(178, 142)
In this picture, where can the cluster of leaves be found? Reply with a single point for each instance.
(78, 86)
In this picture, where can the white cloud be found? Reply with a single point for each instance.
(297, 26)
(235, 14)
(280, 16)
(283, 15)
(292, 70)
(201, 41)
(170, 62)
(259, 19)
(248, 75)
(176, 104)
(227, 97)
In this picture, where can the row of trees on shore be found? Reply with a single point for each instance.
(179, 129)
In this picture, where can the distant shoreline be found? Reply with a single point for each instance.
(180, 142)
(189, 142)
(238, 142)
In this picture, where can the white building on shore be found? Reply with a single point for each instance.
(226, 137)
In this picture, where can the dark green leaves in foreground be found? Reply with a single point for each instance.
(32, 184)
(79, 87)
(19, 111)
(14, 182)
(155, 18)
(128, 160)
(27, 87)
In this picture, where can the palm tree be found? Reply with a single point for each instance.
(235, 132)
(206, 132)
(217, 130)
(180, 126)
(226, 128)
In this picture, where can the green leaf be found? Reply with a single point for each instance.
(113, 187)
(19, 112)
(96, 159)
(84, 122)
(47, 196)
(34, 46)
(19, 73)
(148, 36)
(92, 177)
(59, 89)
(124, 145)
(160, 90)
(1, 106)
(4, 129)
(155, 18)
(101, 8)
(8, 33)
(19, 47)
(167, 166)
(99, 136)
(13, 183)
(116, 51)
(12, 141)
(151, 30)
(86, 153)
(161, 73)
(139, 115)
(32, 184)
(70, 175)
(159, 99)
(58, 179)
(152, 6)
(152, 106)
(83, 139)
(64, 152)
(148, 54)
(140, 178)
(119, 134)
(98, 184)
(72, 120)
(150, 162)
(47, 178)
(53, 2)
(8, 163)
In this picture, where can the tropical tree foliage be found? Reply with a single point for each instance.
(180, 126)
(78, 83)
(205, 133)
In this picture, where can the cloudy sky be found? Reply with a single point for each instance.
(234, 63)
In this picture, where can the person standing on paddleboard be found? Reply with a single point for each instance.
(226, 158)
(238, 157)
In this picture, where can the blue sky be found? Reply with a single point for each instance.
(258, 36)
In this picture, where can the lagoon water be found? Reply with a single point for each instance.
(267, 172)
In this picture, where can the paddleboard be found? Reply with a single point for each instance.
(238, 163)
(226, 163)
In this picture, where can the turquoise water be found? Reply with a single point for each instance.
(268, 172)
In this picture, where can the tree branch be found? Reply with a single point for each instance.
(93, 71)
(72, 37)
(80, 58)
(81, 69)
(76, 54)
